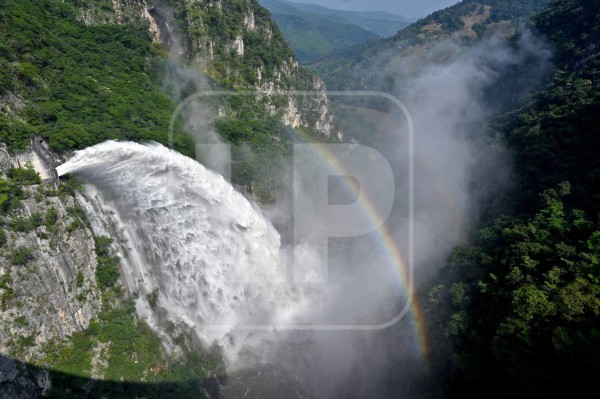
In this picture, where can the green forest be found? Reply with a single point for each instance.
(517, 312)
(78, 85)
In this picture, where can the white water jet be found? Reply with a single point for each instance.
(185, 231)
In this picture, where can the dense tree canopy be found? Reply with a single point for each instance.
(75, 84)
(517, 312)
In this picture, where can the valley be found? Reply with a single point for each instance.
(241, 198)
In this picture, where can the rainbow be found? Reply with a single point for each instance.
(404, 269)
(389, 246)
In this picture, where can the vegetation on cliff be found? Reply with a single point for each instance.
(76, 84)
(464, 24)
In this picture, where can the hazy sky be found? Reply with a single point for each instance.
(408, 8)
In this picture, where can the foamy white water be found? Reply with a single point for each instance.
(185, 231)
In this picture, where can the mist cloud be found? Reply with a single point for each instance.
(458, 167)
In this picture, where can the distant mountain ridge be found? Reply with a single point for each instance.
(464, 23)
(314, 31)
(382, 23)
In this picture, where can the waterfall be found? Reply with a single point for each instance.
(183, 231)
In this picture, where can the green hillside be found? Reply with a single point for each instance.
(518, 310)
(381, 23)
(362, 67)
(312, 35)
(77, 85)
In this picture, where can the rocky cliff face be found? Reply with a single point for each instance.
(234, 42)
(18, 381)
(48, 287)
(114, 12)
(237, 41)
(47, 273)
